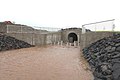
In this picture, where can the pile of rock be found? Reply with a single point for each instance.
(8, 43)
(104, 58)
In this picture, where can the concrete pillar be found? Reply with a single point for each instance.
(58, 43)
(33, 39)
(7, 29)
(54, 43)
(55, 39)
(61, 43)
(52, 39)
(74, 43)
(70, 44)
(78, 40)
(83, 30)
(67, 44)
(21, 29)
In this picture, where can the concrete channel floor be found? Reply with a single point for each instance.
(44, 63)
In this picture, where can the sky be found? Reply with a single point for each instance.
(59, 13)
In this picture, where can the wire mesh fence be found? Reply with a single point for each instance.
(28, 29)
(50, 29)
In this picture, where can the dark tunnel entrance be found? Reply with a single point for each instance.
(72, 37)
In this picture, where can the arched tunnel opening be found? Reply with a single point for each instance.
(72, 37)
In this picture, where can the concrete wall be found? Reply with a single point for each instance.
(29, 38)
(24, 33)
(53, 37)
(66, 32)
(37, 39)
(40, 37)
(3, 28)
(19, 29)
(33, 37)
(91, 37)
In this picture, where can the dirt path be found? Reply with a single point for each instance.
(49, 63)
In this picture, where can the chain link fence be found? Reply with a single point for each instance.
(28, 29)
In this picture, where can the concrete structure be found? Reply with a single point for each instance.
(71, 34)
(91, 37)
(23, 32)
(53, 37)
(3, 27)
(40, 37)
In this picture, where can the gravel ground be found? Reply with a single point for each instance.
(44, 63)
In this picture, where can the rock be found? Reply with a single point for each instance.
(110, 49)
(116, 74)
(118, 49)
(104, 58)
(8, 43)
(118, 44)
(116, 66)
(116, 56)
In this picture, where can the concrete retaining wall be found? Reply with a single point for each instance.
(66, 32)
(40, 39)
(19, 29)
(29, 38)
(37, 39)
(53, 37)
(3, 28)
(91, 37)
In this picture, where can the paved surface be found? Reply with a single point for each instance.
(44, 63)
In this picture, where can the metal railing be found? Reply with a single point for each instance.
(107, 25)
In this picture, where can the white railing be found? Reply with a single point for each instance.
(107, 25)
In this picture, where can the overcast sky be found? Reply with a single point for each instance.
(59, 13)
